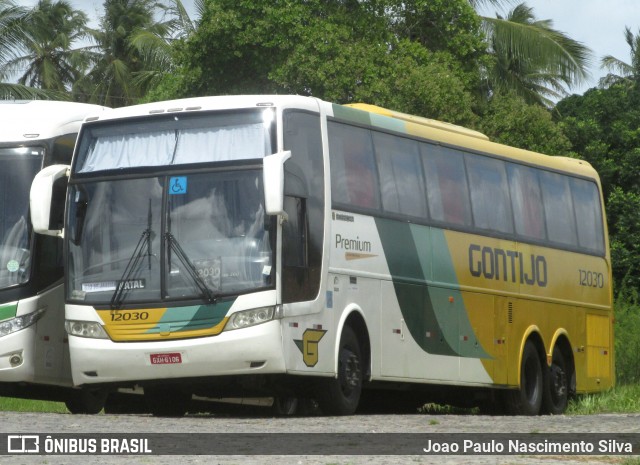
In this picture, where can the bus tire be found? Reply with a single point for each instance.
(284, 406)
(87, 401)
(167, 401)
(528, 399)
(341, 395)
(556, 387)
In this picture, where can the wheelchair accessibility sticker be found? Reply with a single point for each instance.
(177, 185)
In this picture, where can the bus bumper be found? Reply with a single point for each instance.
(254, 350)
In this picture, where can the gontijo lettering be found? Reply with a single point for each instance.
(507, 265)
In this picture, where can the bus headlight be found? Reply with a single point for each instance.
(248, 318)
(89, 329)
(20, 322)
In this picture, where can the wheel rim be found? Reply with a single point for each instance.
(349, 372)
(531, 380)
(558, 382)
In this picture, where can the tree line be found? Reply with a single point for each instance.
(509, 75)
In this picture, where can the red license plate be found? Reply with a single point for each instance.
(166, 359)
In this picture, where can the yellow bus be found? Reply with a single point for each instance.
(290, 247)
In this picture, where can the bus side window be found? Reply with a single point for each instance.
(558, 208)
(62, 150)
(353, 172)
(303, 233)
(586, 202)
(526, 200)
(401, 183)
(294, 233)
(447, 189)
(489, 194)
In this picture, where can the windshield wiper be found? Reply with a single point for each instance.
(135, 259)
(191, 269)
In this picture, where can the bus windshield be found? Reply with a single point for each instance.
(167, 235)
(18, 166)
(170, 140)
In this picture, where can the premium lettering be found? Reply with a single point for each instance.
(352, 244)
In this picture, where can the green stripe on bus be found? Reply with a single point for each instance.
(447, 274)
(351, 114)
(386, 122)
(8, 311)
(435, 315)
(195, 317)
(409, 282)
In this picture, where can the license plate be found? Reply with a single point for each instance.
(166, 359)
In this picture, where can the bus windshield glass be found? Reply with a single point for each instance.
(157, 241)
(18, 166)
(177, 139)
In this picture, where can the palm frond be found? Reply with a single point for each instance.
(539, 44)
(10, 91)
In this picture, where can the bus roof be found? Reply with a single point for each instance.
(383, 118)
(459, 136)
(26, 120)
(210, 103)
(419, 120)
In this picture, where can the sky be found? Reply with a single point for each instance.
(598, 24)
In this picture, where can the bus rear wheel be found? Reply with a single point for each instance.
(284, 406)
(341, 395)
(556, 386)
(528, 399)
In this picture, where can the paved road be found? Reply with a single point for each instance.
(26, 423)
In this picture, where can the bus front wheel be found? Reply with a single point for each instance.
(528, 399)
(87, 401)
(341, 395)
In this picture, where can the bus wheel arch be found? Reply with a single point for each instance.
(560, 377)
(527, 399)
(356, 322)
(340, 395)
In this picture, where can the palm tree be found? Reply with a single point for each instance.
(157, 50)
(14, 22)
(48, 59)
(133, 48)
(620, 71)
(532, 59)
(11, 18)
(109, 82)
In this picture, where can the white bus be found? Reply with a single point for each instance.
(286, 246)
(34, 351)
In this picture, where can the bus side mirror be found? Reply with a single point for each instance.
(46, 200)
(273, 180)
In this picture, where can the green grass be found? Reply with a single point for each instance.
(621, 399)
(12, 404)
(631, 461)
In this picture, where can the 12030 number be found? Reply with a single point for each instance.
(129, 316)
(591, 279)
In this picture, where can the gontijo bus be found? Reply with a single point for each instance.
(287, 245)
(34, 355)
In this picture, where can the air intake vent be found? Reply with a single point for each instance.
(510, 312)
